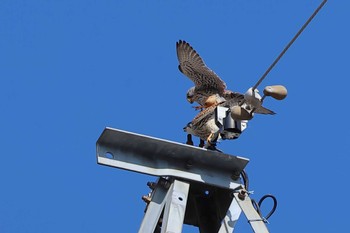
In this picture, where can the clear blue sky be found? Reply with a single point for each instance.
(70, 68)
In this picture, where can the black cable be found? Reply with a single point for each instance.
(274, 204)
(245, 179)
(257, 206)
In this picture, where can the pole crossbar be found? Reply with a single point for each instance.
(195, 186)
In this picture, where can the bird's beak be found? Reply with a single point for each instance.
(189, 124)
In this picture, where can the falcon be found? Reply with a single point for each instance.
(204, 124)
(207, 82)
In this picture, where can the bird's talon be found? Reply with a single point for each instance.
(210, 141)
(211, 144)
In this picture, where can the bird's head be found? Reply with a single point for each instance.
(190, 95)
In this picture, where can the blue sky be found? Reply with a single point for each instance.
(70, 68)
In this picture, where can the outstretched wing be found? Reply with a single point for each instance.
(192, 65)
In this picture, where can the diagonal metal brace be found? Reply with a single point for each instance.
(254, 219)
(170, 198)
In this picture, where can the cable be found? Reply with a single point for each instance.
(257, 206)
(289, 44)
(245, 179)
(274, 204)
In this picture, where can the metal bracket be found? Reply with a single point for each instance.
(160, 157)
(197, 189)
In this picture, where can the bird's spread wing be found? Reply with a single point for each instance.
(192, 65)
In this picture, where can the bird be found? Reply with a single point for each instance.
(204, 123)
(204, 126)
(207, 82)
(209, 91)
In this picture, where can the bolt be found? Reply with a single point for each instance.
(189, 164)
(241, 194)
(151, 185)
(146, 198)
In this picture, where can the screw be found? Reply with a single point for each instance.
(241, 194)
(146, 198)
(151, 185)
(189, 163)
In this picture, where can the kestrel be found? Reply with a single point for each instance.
(210, 91)
(206, 82)
(204, 124)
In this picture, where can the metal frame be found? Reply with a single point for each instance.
(195, 186)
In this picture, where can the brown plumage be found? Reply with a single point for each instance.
(206, 82)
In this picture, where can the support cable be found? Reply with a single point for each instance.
(289, 44)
